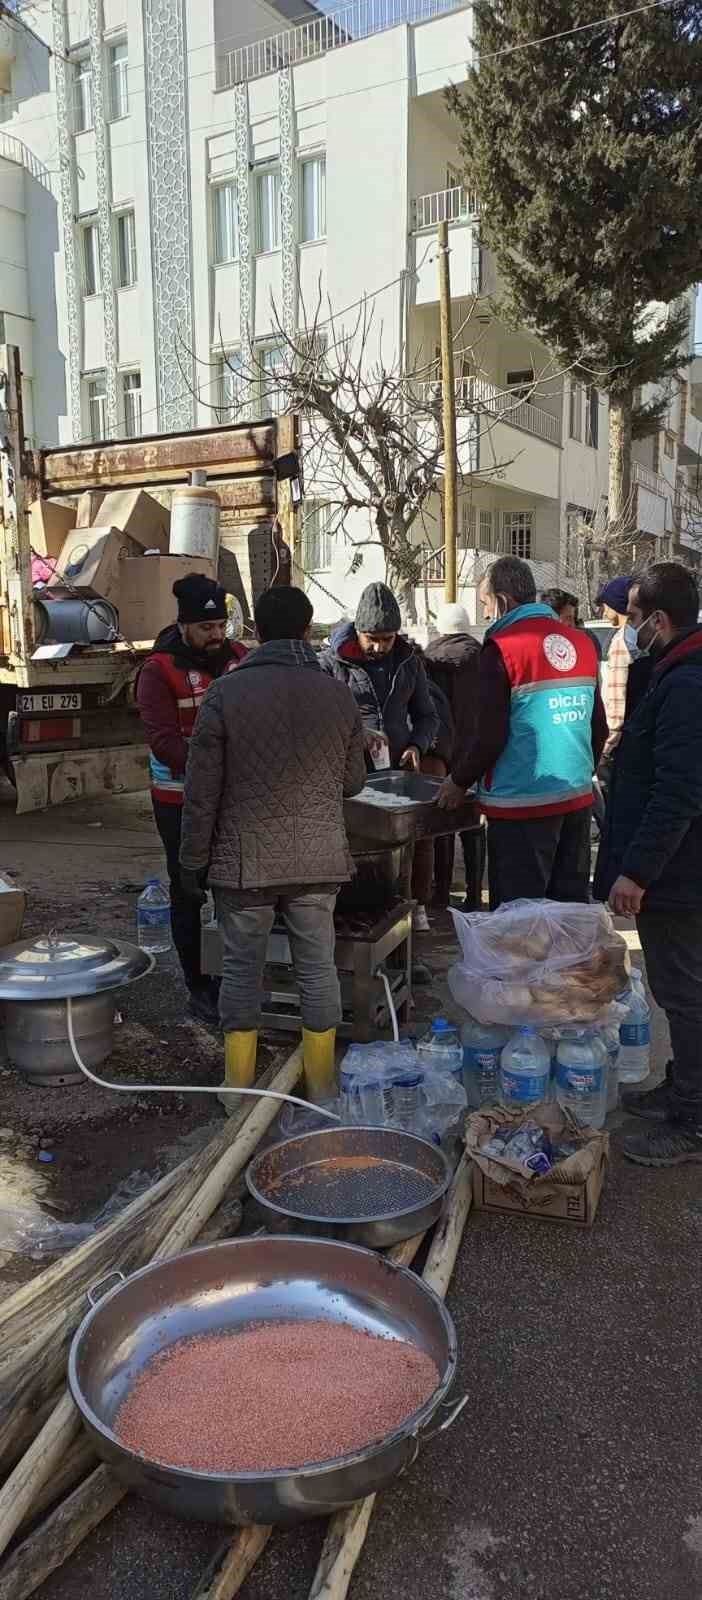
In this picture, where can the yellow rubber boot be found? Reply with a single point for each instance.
(318, 1058)
(239, 1066)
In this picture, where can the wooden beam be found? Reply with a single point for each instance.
(163, 458)
(232, 1564)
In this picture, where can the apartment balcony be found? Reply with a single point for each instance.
(690, 442)
(653, 501)
(500, 435)
(687, 515)
(459, 208)
(320, 34)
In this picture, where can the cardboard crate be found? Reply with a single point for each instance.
(146, 602)
(570, 1194)
(91, 559)
(570, 1202)
(49, 526)
(89, 503)
(12, 908)
(139, 515)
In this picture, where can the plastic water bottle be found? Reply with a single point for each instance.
(483, 1043)
(441, 1047)
(154, 918)
(635, 1034)
(610, 1040)
(581, 1076)
(525, 1066)
(381, 1085)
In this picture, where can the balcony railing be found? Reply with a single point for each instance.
(447, 205)
(646, 479)
(12, 149)
(323, 33)
(478, 395)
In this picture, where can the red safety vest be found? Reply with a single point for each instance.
(188, 686)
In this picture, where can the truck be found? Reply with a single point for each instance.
(69, 725)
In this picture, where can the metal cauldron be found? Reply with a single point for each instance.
(232, 1285)
(404, 1153)
(37, 976)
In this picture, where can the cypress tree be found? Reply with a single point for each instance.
(586, 153)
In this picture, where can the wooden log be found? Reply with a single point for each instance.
(60, 1535)
(35, 1468)
(79, 1460)
(347, 1530)
(232, 1564)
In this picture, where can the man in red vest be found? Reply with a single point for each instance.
(541, 730)
(186, 658)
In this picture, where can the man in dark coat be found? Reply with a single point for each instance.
(277, 747)
(453, 662)
(650, 861)
(386, 679)
(186, 658)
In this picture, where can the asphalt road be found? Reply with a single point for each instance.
(574, 1468)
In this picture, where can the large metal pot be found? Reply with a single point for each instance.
(232, 1285)
(37, 1040)
(36, 978)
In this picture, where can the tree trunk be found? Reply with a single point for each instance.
(621, 510)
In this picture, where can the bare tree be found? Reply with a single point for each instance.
(372, 438)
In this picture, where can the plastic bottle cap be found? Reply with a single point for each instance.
(440, 1025)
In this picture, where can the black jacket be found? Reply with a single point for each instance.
(407, 713)
(452, 662)
(653, 827)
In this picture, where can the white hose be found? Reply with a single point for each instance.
(382, 974)
(185, 1088)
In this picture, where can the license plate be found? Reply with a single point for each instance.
(68, 700)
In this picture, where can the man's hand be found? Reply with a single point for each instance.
(450, 795)
(625, 897)
(192, 882)
(410, 758)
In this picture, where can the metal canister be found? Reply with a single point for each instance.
(74, 619)
(195, 523)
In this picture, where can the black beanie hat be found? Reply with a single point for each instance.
(200, 599)
(377, 610)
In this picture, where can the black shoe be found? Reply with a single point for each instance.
(202, 1005)
(652, 1104)
(670, 1144)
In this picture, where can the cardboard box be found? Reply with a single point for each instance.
(570, 1193)
(91, 559)
(89, 504)
(147, 603)
(13, 901)
(139, 515)
(50, 522)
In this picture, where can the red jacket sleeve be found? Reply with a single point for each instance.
(159, 714)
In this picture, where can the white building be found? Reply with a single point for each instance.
(169, 168)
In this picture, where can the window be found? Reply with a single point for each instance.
(229, 386)
(485, 534)
(521, 383)
(126, 250)
(576, 410)
(517, 530)
(97, 406)
(272, 395)
(131, 395)
(313, 199)
(8, 106)
(92, 270)
(669, 444)
(317, 536)
(467, 538)
(268, 211)
(119, 84)
(225, 222)
(592, 416)
(82, 96)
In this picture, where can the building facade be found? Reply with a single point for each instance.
(180, 179)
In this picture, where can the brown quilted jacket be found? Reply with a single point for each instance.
(277, 746)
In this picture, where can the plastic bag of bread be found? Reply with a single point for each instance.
(541, 962)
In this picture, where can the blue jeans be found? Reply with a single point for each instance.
(245, 920)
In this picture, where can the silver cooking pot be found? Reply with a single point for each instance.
(229, 1286)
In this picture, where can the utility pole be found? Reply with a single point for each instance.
(448, 417)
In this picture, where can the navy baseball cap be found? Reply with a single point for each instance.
(615, 594)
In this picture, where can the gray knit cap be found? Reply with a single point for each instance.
(377, 610)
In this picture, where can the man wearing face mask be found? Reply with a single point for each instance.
(650, 861)
(541, 729)
(186, 658)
